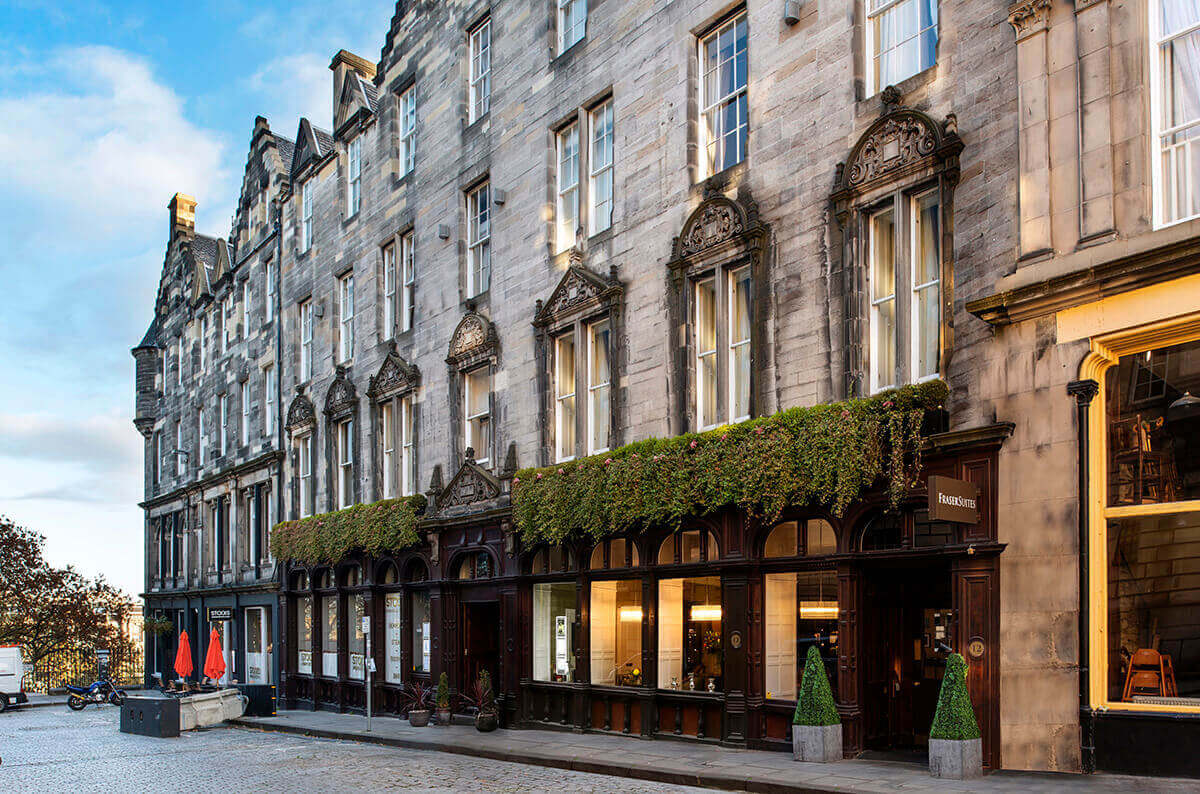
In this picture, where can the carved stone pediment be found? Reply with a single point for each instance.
(578, 290)
(300, 413)
(395, 376)
(901, 141)
(342, 397)
(474, 338)
(717, 220)
(471, 485)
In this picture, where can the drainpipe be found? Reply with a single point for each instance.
(1083, 391)
(277, 671)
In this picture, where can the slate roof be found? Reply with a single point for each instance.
(151, 337)
(370, 91)
(287, 148)
(324, 140)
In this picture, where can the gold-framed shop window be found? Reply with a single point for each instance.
(1144, 517)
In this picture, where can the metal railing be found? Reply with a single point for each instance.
(79, 666)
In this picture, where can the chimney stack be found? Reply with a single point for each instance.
(183, 215)
(343, 63)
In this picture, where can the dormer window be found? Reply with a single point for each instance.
(354, 176)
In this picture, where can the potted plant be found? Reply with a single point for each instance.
(443, 700)
(418, 696)
(483, 701)
(955, 749)
(816, 727)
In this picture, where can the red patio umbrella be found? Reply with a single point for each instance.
(183, 657)
(214, 662)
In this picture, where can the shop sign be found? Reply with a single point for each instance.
(560, 645)
(392, 606)
(426, 651)
(953, 500)
(357, 665)
(220, 614)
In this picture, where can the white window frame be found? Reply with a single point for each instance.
(223, 426)
(179, 454)
(914, 322)
(228, 326)
(200, 437)
(306, 214)
(269, 278)
(407, 104)
(710, 144)
(387, 435)
(304, 464)
(875, 378)
(596, 386)
(564, 393)
(204, 343)
(408, 448)
(483, 416)
(245, 397)
(572, 23)
(703, 353)
(247, 294)
(158, 456)
(306, 340)
(179, 362)
(344, 431)
(602, 124)
(480, 54)
(389, 290)
(733, 345)
(270, 387)
(353, 176)
(346, 318)
(408, 282)
(876, 83)
(1164, 200)
(567, 187)
(479, 236)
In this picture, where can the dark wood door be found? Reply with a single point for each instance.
(481, 643)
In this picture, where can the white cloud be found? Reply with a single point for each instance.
(104, 143)
(292, 86)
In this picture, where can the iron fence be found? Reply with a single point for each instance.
(80, 666)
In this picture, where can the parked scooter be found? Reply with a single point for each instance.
(102, 691)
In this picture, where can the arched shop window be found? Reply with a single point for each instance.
(1151, 518)
(300, 580)
(476, 565)
(800, 607)
(555, 613)
(389, 574)
(352, 576)
(614, 553)
(689, 546)
(884, 530)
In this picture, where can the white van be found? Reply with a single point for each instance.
(12, 675)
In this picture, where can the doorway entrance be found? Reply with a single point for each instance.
(908, 632)
(480, 643)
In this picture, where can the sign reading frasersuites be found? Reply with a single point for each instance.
(953, 500)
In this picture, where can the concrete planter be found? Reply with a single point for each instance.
(955, 758)
(820, 743)
(418, 718)
(443, 716)
(210, 708)
(486, 721)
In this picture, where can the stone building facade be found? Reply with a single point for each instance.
(540, 231)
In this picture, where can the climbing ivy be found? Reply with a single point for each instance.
(327, 538)
(826, 455)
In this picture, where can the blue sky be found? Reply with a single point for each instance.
(106, 110)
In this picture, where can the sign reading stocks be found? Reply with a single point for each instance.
(953, 500)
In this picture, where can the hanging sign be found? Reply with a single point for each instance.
(953, 500)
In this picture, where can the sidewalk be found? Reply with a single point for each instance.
(685, 763)
(36, 700)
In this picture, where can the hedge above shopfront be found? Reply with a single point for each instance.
(374, 528)
(826, 455)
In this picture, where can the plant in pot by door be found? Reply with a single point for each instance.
(816, 727)
(955, 749)
(487, 716)
(418, 697)
(443, 700)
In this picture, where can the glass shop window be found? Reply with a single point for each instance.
(800, 610)
(422, 634)
(551, 559)
(616, 632)
(615, 553)
(883, 531)
(554, 631)
(689, 634)
(358, 640)
(329, 656)
(689, 546)
(811, 538)
(304, 636)
(393, 604)
(477, 565)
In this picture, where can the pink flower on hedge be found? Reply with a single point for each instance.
(845, 414)
(693, 445)
(607, 461)
(758, 431)
(888, 403)
(560, 471)
(516, 480)
(539, 475)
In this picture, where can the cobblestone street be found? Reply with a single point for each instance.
(53, 749)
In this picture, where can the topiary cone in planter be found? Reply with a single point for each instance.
(816, 727)
(443, 701)
(955, 749)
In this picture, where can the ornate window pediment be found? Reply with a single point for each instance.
(471, 485)
(395, 376)
(473, 341)
(902, 143)
(300, 413)
(720, 227)
(342, 398)
(579, 292)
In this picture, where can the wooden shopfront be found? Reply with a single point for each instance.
(696, 632)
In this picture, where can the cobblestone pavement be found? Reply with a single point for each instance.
(52, 749)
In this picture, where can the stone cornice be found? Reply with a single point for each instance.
(1029, 17)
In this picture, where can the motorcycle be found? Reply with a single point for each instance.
(101, 691)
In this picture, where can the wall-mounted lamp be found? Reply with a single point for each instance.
(499, 197)
(791, 12)
(319, 309)
(443, 231)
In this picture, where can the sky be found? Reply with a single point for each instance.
(106, 110)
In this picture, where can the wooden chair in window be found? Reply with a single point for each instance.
(1150, 673)
(1141, 473)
